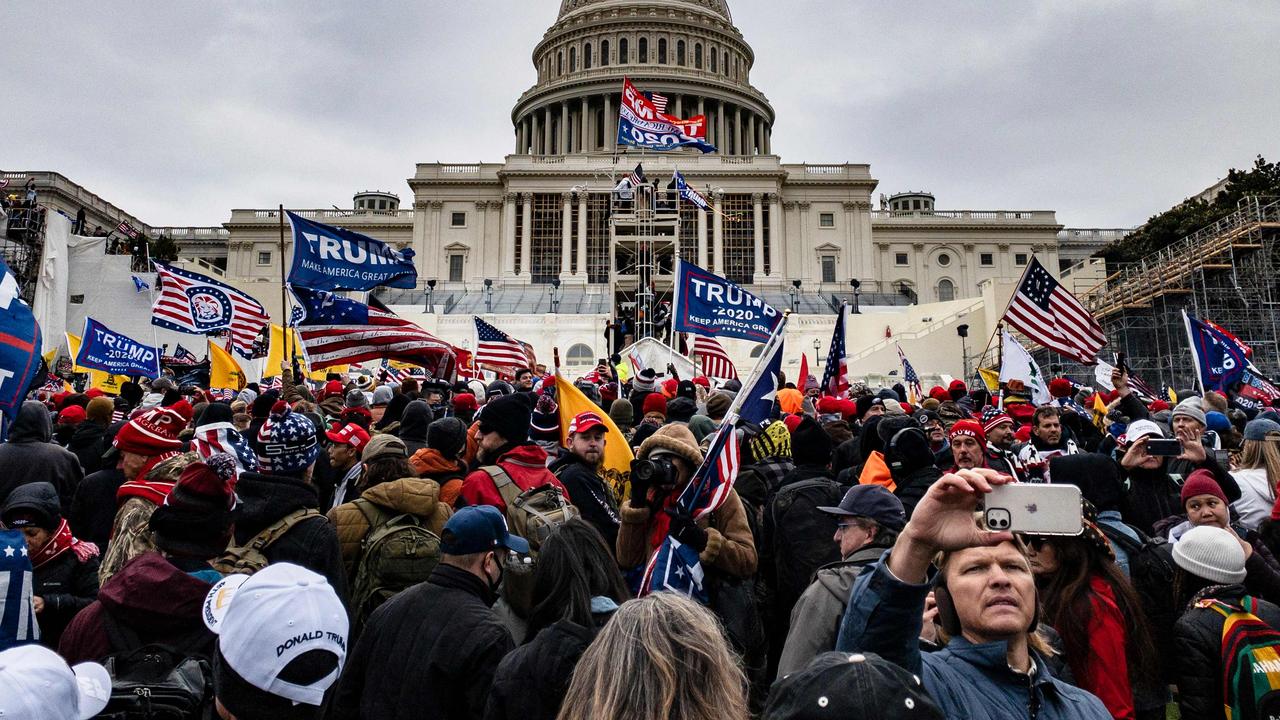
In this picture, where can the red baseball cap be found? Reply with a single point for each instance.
(586, 421)
(349, 434)
(71, 414)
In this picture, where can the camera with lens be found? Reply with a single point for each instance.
(655, 472)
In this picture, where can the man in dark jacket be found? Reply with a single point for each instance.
(90, 439)
(433, 649)
(911, 465)
(417, 417)
(578, 468)
(30, 456)
(869, 518)
(1155, 482)
(282, 492)
(998, 428)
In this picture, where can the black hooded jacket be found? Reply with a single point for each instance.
(93, 509)
(30, 457)
(88, 443)
(413, 425)
(394, 412)
(312, 543)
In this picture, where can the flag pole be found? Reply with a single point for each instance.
(284, 299)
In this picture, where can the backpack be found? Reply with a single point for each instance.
(397, 553)
(535, 513)
(154, 682)
(800, 536)
(1250, 664)
(248, 559)
(1151, 571)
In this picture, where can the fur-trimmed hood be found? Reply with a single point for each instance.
(674, 438)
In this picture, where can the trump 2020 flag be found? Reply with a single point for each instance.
(676, 567)
(1220, 360)
(707, 304)
(333, 258)
(19, 347)
(17, 617)
(103, 349)
(640, 124)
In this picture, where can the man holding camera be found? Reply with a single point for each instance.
(665, 464)
(992, 667)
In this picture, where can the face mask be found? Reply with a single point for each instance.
(494, 584)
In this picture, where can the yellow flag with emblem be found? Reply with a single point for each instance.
(224, 372)
(615, 466)
(990, 378)
(1099, 412)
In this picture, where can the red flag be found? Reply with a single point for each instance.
(804, 371)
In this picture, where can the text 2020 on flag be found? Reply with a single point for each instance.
(1049, 314)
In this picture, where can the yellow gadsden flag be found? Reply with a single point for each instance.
(615, 467)
(224, 372)
(104, 381)
(990, 378)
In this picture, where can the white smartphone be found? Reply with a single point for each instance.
(1034, 508)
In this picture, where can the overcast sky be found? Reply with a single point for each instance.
(178, 112)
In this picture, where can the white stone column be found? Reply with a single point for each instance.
(610, 124)
(566, 234)
(722, 123)
(585, 137)
(740, 147)
(535, 133)
(757, 226)
(563, 147)
(702, 239)
(751, 134)
(850, 243)
(680, 106)
(508, 235)
(526, 232)
(581, 271)
(717, 233)
(775, 236)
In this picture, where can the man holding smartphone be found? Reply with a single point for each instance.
(992, 667)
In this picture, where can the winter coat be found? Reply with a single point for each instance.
(312, 543)
(730, 546)
(592, 499)
(1257, 497)
(152, 599)
(967, 681)
(532, 680)
(756, 483)
(527, 467)
(431, 464)
(29, 456)
(1198, 660)
(413, 425)
(130, 536)
(93, 509)
(1156, 494)
(414, 496)
(797, 539)
(430, 651)
(815, 619)
(88, 443)
(914, 484)
(1105, 671)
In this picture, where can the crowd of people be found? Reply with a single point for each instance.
(378, 550)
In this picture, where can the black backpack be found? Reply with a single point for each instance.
(801, 534)
(155, 682)
(1151, 571)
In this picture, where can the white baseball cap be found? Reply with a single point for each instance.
(36, 684)
(266, 620)
(1139, 429)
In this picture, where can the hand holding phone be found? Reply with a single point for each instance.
(1164, 447)
(1034, 508)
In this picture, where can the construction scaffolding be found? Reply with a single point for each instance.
(1225, 273)
(645, 237)
(21, 244)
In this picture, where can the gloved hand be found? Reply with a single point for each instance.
(639, 491)
(685, 529)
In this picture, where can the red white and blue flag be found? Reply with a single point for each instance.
(393, 374)
(835, 376)
(197, 304)
(715, 361)
(497, 349)
(914, 391)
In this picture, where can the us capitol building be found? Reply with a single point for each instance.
(539, 243)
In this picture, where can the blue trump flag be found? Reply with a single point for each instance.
(332, 258)
(19, 347)
(17, 615)
(104, 349)
(1220, 360)
(317, 307)
(707, 304)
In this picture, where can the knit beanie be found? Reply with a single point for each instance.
(195, 519)
(447, 435)
(1060, 387)
(1211, 553)
(1191, 408)
(154, 431)
(685, 389)
(357, 398)
(993, 417)
(810, 444)
(623, 414)
(890, 425)
(286, 442)
(790, 400)
(1216, 421)
(967, 428)
(773, 440)
(931, 403)
(544, 424)
(655, 402)
(957, 389)
(509, 415)
(701, 426)
(939, 393)
(263, 403)
(645, 381)
(1202, 482)
(680, 409)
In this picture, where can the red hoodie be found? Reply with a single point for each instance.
(149, 596)
(527, 466)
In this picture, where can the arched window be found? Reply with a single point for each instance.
(623, 56)
(680, 53)
(643, 49)
(714, 59)
(662, 51)
(946, 290)
(586, 56)
(604, 53)
(573, 59)
(559, 63)
(726, 63)
(697, 55)
(735, 66)
(579, 354)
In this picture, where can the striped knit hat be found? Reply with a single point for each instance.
(286, 441)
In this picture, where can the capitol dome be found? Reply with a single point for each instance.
(687, 50)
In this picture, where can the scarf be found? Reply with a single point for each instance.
(662, 521)
(154, 490)
(61, 542)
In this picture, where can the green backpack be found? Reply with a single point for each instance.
(1250, 661)
(397, 553)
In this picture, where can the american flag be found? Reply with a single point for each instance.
(18, 624)
(128, 229)
(912, 380)
(183, 356)
(675, 567)
(498, 349)
(637, 177)
(689, 194)
(1049, 314)
(340, 331)
(275, 382)
(193, 303)
(223, 394)
(223, 437)
(715, 361)
(835, 379)
(659, 102)
(394, 374)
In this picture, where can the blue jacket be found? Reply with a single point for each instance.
(968, 681)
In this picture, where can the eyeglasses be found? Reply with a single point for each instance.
(845, 526)
(1035, 542)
